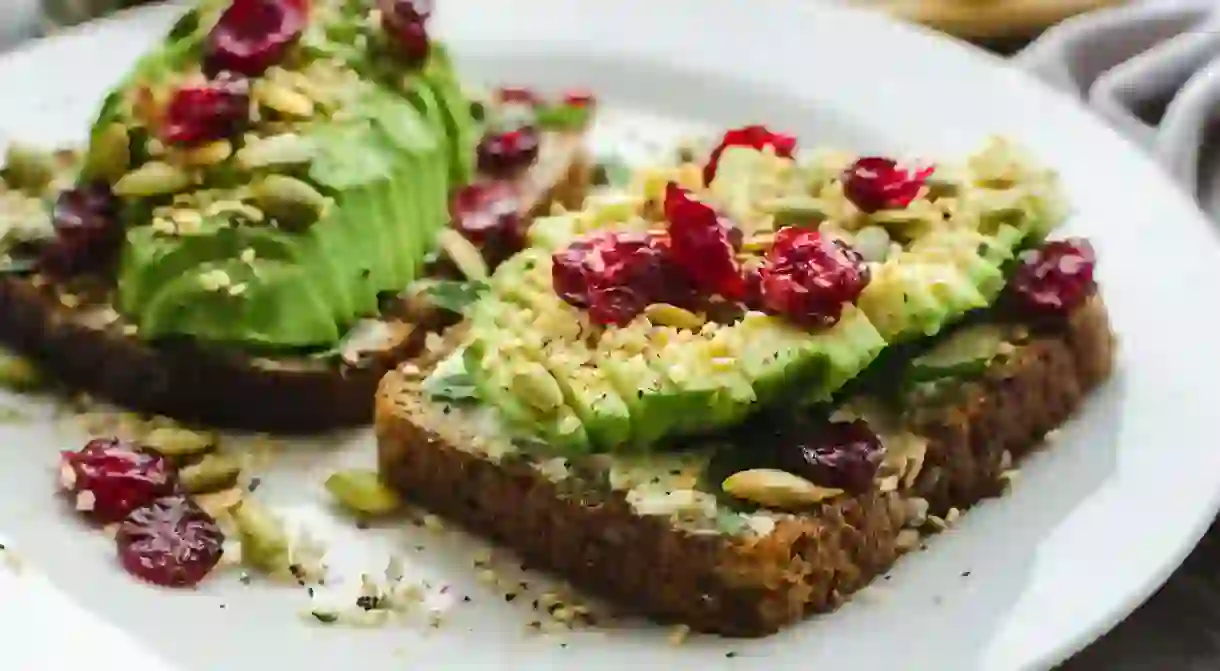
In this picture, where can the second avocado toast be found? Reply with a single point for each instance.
(256, 198)
(736, 393)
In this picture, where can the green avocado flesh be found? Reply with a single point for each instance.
(531, 357)
(384, 165)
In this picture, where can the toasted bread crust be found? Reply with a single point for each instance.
(83, 344)
(752, 585)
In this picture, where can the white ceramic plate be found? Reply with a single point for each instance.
(1093, 527)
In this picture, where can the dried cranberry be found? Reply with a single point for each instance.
(757, 137)
(88, 231)
(170, 542)
(752, 296)
(213, 111)
(876, 183)
(579, 98)
(508, 153)
(488, 213)
(615, 275)
(253, 35)
(111, 477)
(517, 94)
(703, 243)
(809, 278)
(405, 22)
(1054, 278)
(844, 455)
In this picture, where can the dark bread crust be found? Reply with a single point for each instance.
(84, 345)
(744, 586)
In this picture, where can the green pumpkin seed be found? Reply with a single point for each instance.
(264, 543)
(110, 155)
(292, 203)
(288, 149)
(28, 169)
(464, 254)
(283, 100)
(208, 155)
(536, 387)
(899, 218)
(152, 179)
(17, 373)
(362, 492)
(176, 442)
(664, 314)
(797, 210)
(213, 472)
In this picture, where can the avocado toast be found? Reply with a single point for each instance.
(242, 242)
(861, 352)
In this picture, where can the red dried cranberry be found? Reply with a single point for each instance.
(757, 137)
(508, 153)
(809, 278)
(876, 183)
(405, 22)
(703, 243)
(843, 455)
(170, 542)
(253, 35)
(111, 477)
(87, 228)
(1054, 278)
(615, 275)
(488, 213)
(517, 94)
(752, 296)
(213, 111)
(579, 98)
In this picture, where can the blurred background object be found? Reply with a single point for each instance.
(989, 20)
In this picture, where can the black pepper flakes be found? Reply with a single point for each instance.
(467, 599)
(369, 602)
(244, 578)
(730, 654)
(510, 597)
(965, 574)
(255, 483)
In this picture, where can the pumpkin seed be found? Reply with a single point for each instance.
(872, 242)
(204, 156)
(220, 503)
(796, 210)
(110, 155)
(152, 179)
(287, 149)
(536, 386)
(776, 489)
(464, 254)
(177, 442)
(264, 543)
(28, 168)
(283, 100)
(664, 314)
(362, 492)
(17, 373)
(213, 472)
(909, 217)
(292, 203)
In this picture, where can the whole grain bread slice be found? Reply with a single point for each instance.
(72, 332)
(749, 580)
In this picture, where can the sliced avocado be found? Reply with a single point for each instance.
(966, 352)
(278, 306)
(653, 402)
(152, 260)
(462, 130)
(588, 390)
(495, 366)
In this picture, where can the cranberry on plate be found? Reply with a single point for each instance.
(108, 478)
(170, 542)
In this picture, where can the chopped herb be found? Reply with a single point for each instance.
(730, 523)
(562, 117)
(451, 295)
(455, 387)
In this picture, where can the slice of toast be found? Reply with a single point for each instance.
(744, 579)
(73, 333)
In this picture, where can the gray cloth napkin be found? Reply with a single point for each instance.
(1153, 72)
